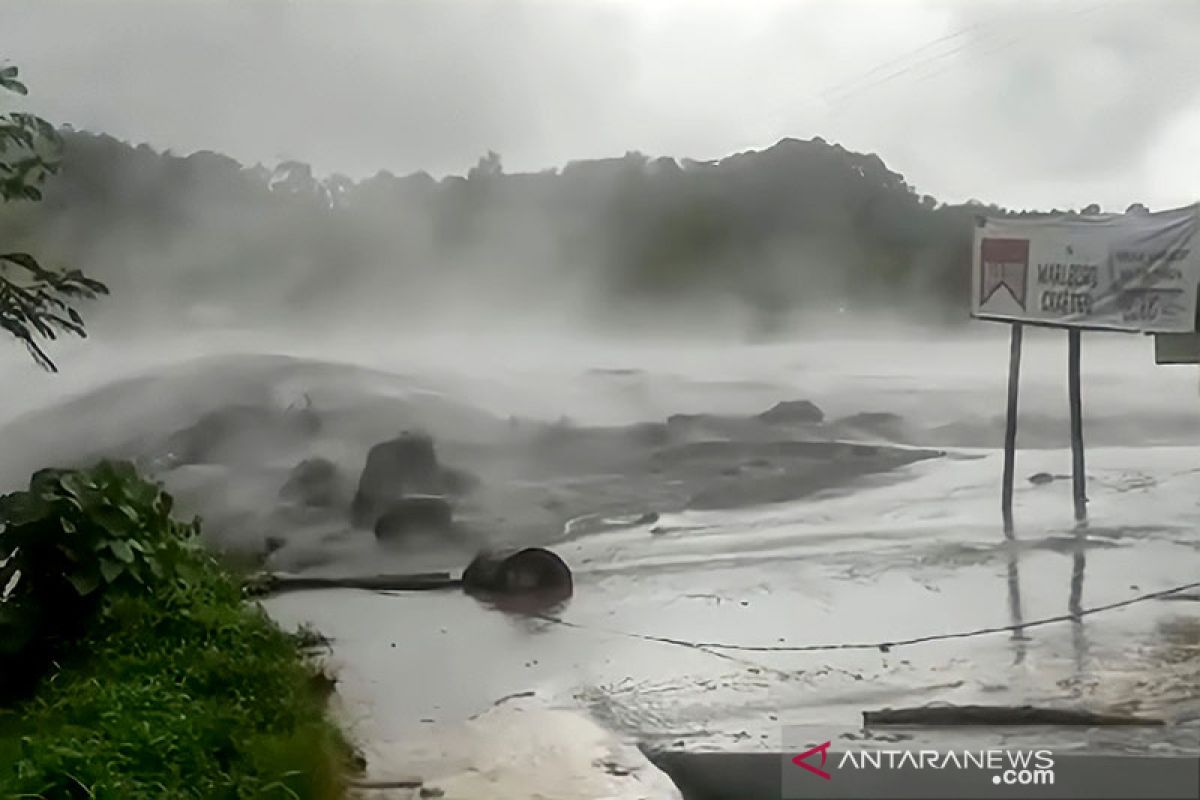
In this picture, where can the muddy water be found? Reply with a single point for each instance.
(913, 553)
(907, 553)
(881, 564)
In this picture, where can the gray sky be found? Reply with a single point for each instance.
(1025, 102)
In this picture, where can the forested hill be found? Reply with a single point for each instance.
(799, 226)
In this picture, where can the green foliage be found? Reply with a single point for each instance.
(165, 683)
(187, 693)
(72, 537)
(34, 301)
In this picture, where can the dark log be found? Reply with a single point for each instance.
(392, 783)
(1195, 598)
(997, 715)
(422, 581)
(532, 572)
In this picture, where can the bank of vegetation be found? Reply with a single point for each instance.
(132, 667)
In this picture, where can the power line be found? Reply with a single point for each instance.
(845, 90)
(900, 59)
(719, 648)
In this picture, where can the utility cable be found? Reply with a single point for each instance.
(717, 648)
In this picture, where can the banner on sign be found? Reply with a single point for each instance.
(1127, 272)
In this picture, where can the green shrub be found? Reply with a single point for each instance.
(189, 694)
(155, 678)
(74, 536)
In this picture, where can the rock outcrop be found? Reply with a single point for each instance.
(314, 483)
(423, 513)
(790, 412)
(402, 466)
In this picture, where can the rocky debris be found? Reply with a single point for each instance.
(396, 468)
(533, 570)
(793, 412)
(314, 483)
(1043, 478)
(428, 513)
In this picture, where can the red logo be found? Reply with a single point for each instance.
(823, 749)
(1005, 265)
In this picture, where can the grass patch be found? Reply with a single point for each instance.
(180, 690)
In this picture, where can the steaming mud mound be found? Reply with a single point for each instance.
(269, 449)
(232, 408)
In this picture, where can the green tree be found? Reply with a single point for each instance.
(35, 302)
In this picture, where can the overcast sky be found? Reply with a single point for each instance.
(1025, 103)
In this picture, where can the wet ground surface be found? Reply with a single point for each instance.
(913, 556)
(899, 546)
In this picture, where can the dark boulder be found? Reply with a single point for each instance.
(402, 466)
(793, 412)
(426, 513)
(314, 483)
(533, 570)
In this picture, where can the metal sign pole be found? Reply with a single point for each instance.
(1010, 427)
(1077, 466)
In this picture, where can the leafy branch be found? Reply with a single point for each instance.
(35, 302)
(39, 305)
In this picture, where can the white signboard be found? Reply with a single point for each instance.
(1130, 272)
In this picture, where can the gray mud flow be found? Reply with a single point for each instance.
(691, 505)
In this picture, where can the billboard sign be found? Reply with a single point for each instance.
(1124, 272)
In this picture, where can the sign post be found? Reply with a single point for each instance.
(1078, 476)
(1133, 272)
(1010, 427)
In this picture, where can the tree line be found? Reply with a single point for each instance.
(803, 225)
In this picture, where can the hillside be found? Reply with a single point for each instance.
(799, 227)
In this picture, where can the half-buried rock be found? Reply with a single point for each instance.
(403, 467)
(399, 467)
(531, 572)
(418, 513)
